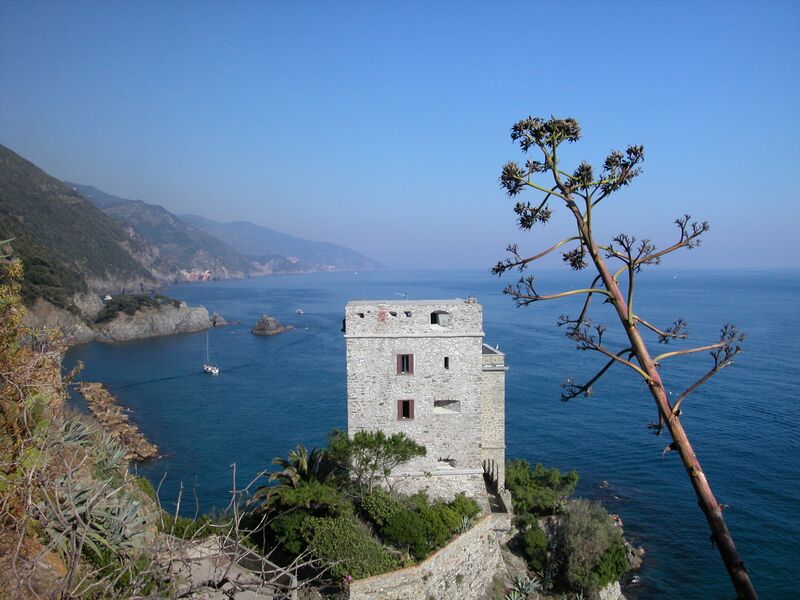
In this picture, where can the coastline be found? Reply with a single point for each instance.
(144, 323)
(112, 418)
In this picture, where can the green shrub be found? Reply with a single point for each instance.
(538, 491)
(288, 529)
(612, 565)
(379, 507)
(436, 530)
(450, 517)
(319, 499)
(585, 541)
(465, 507)
(534, 547)
(407, 529)
(347, 546)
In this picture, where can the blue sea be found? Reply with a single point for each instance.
(276, 392)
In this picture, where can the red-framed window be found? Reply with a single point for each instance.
(405, 364)
(405, 410)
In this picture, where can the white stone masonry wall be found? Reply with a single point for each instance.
(463, 569)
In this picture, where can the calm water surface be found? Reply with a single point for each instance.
(276, 392)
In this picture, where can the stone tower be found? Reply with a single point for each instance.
(421, 368)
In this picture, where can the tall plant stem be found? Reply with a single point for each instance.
(705, 497)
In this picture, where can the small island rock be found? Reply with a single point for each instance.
(269, 326)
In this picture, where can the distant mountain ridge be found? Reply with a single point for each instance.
(67, 244)
(181, 247)
(262, 244)
(75, 250)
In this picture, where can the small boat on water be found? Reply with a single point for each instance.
(300, 311)
(209, 368)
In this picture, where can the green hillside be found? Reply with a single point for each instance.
(65, 242)
(180, 245)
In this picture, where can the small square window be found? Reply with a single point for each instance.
(440, 318)
(405, 410)
(405, 364)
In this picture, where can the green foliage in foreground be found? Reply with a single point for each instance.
(416, 525)
(348, 547)
(538, 491)
(328, 502)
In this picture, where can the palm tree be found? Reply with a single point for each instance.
(300, 466)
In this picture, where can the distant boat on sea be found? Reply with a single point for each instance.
(300, 311)
(207, 366)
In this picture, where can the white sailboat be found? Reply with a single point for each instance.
(207, 366)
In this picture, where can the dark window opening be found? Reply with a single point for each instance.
(444, 407)
(360, 315)
(407, 313)
(441, 318)
(446, 362)
(405, 409)
(405, 364)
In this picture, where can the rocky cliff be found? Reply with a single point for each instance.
(148, 322)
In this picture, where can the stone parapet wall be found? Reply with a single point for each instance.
(463, 569)
(412, 318)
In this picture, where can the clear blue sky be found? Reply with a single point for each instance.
(383, 125)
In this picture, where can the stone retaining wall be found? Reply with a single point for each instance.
(463, 569)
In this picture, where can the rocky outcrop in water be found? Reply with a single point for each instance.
(166, 319)
(149, 322)
(114, 420)
(269, 326)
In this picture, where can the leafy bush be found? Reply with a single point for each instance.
(534, 547)
(465, 507)
(347, 546)
(379, 507)
(540, 490)
(408, 530)
(319, 499)
(437, 531)
(589, 546)
(612, 565)
(288, 530)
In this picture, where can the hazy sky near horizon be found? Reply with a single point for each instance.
(383, 126)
